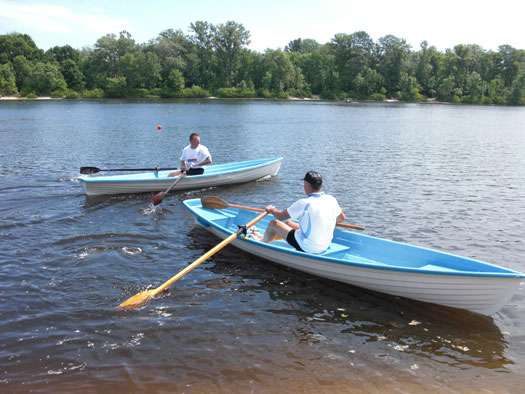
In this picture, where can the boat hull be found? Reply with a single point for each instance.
(215, 175)
(476, 286)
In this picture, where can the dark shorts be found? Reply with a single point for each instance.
(290, 238)
(195, 171)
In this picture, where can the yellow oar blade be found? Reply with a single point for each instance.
(213, 202)
(142, 298)
(138, 300)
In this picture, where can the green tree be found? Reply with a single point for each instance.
(497, 92)
(229, 40)
(509, 66)
(281, 69)
(367, 82)
(16, 44)
(302, 46)
(22, 70)
(315, 69)
(171, 48)
(108, 52)
(517, 91)
(352, 53)
(62, 53)
(44, 79)
(202, 39)
(474, 87)
(427, 61)
(445, 88)
(7, 80)
(176, 81)
(409, 88)
(392, 60)
(116, 87)
(72, 74)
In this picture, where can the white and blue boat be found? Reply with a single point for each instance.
(155, 181)
(377, 264)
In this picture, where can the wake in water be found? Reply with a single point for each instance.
(149, 210)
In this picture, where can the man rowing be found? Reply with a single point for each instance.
(316, 214)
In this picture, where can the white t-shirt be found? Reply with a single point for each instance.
(317, 215)
(194, 155)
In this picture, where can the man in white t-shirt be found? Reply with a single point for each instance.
(317, 215)
(194, 157)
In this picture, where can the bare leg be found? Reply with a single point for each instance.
(276, 230)
(292, 224)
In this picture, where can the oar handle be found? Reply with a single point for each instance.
(94, 170)
(347, 225)
(174, 183)
(338, 224)
(247, 208)
(207, 254)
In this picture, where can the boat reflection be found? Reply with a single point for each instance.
(370, 322)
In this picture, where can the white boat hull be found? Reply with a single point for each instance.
(478, 294)
(222, 174)
(378, 264)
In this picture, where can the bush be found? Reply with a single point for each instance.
(195, 92)
(264, 93)
(413, 95)
(281, 95)
(328, 94)
(377, 97)
(95, 93)
(235, 93)
(155, 92)
(31, 95)
(302, 93)
(500, 100)
(59, 93)
(71, 94)
(139, 93)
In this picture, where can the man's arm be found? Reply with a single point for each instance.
(341, 217)
(280, 214)
(202, 163)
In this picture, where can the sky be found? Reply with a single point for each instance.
(271, 23)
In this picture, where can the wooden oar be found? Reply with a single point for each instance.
(217, 203)
(157, 198)
(94, 170)
(142, 298)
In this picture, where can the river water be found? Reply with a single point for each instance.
(440, 176)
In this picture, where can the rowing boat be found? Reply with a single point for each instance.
(153, 181)
(377, 264)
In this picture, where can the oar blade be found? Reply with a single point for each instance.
(89, 170)
(213, 202)
(137, 301)
(157, 198)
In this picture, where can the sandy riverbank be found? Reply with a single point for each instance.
(24, 98)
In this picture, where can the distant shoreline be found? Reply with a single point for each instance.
(291, 98)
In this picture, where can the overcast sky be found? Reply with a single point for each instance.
(272, 23)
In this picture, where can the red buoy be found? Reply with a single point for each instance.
(159, 127)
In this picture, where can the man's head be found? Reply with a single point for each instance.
(195, 140)
(314, 180)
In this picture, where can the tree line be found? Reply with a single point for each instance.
(213, 60)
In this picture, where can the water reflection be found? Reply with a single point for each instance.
(324, 310)
(447, 177)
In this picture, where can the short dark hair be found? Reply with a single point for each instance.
(314, 179)
(193, 135)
